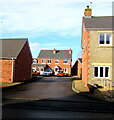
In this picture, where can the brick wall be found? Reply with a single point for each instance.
(85, 55)
(6, 70)
(23, 65)
(61, 65)
(77, 69)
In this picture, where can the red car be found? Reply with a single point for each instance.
(60, 74)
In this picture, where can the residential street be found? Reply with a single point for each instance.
(45, 88)
(51, 97)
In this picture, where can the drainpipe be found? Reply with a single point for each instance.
(12, 70)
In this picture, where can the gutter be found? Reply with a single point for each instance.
(12, 69)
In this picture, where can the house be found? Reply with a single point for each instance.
(53, 60)
(97, 50)
(15, 60)
(77, 68)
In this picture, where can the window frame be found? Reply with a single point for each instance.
(43, 60)
(57, 62)
(99, 71)
(65, 60)
(49, 62)
(64, 70)
(35, 61)
(105, 39)
(42, 69)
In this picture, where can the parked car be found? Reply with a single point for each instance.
(47, 72)
(60, 74)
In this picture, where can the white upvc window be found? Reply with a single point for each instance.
(43, 61)
(101, 71)
(49, 61)
(65, 61)
(105, 39)
(65, 70)
(56, 61)
(41, 69)
(35, 61)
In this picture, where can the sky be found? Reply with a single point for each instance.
(49, 24)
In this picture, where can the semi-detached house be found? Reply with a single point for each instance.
(98, 50)
(54, 60)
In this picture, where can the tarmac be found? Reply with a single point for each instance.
(77, 86)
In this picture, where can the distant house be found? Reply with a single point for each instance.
(97, 50)
(77, 68)
(53, 60)
(15, 60)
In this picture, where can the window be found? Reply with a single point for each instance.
(41, 69)
(101, 71)
(105, 38)
(49, 61)
(65, 61)
(65, 70)
(35, 61)
(56, 61)
(43, 61)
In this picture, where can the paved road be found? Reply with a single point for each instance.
(51, 97)
(15, 113)
(45, 88)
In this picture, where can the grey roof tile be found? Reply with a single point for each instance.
(60, 54)
(99, 23)
(11, 47)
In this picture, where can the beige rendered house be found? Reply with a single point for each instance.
(98, 52)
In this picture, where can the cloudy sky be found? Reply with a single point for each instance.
(48, 24)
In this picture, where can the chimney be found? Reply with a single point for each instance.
(88, 12)
(54, 51)
(70, 51)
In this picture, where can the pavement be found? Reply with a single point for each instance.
(14, 84)
(98, 94)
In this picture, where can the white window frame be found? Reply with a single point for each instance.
(35, 61)
(42, 69)
(65, 60)
(65, 70)
(49, 61)
(43, 61)
(104, 39)
(99, 71)
(57, 61)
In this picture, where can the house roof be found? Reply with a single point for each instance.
(11, 47)
(98, 23)
(60, 54)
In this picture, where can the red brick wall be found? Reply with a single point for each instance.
(23, 65)
(77, 69)
(61, 65)
(6, 70)
(85, 55)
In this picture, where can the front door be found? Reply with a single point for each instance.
(56, 69)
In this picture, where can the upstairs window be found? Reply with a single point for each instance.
(101, 71)
(105, 38)
(35, 61)
(65, 61)
(43, 61)
(56, 61)
(49, 61)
